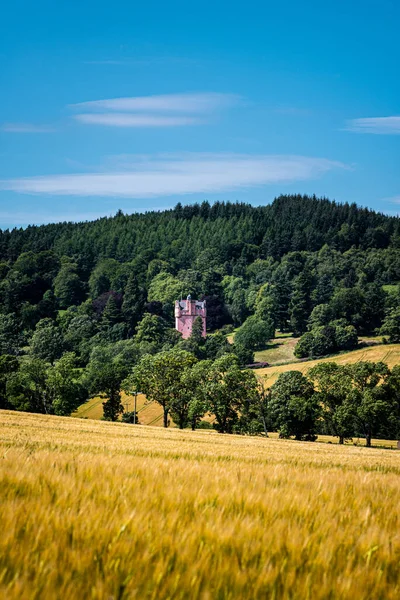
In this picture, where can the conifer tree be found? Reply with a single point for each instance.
(300, 303)
(111, 314)
(132, 305)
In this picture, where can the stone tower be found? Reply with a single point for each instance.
(186, 312)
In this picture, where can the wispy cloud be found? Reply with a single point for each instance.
(185, 103)
(169, 110)
(377, 125)
(26, 128)
(132, 120)
(392, 199)
(174, 175)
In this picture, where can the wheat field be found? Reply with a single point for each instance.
(98, 510)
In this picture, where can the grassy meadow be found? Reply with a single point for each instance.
(101, 510)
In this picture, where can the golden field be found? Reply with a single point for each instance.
(98, 510)
(387, 353)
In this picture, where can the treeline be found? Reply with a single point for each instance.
(358, 400)
(362, 399)
(290, 223)
(103, 292)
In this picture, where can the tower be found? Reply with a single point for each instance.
(186, 311)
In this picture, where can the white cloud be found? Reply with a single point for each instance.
(185, 103)
(26, 128)
(134, 120)
(394, 199)
(174, 175)
(377, 125)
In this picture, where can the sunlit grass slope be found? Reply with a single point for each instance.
(148, 413)
(280, 349)
(99, 510)
(388, 353)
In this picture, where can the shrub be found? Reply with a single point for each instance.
(321, 341)
(255, 333)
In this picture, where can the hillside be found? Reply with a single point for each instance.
(107, 510)
(387, 353)
(148, 413)
(289, 223)
(82, 304)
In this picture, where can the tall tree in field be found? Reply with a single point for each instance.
(64, 385)
(255, 333)
(334, 385)
(294, 406)
(193, 379)
(27, 387)
(8, 364)
(226, 390)
(159, 377)
(369, 404)
(104, 375)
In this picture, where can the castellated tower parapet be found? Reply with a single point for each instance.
(186, 311)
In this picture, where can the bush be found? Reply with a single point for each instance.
(244, 355)
(304, 346)
(391, 326)
(321, 341)
(204, 425)
(255, 333)
(129, 417)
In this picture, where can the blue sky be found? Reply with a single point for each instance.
(140, 105)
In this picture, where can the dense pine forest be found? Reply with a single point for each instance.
(82, 303)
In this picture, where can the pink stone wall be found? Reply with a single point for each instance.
(186, 311)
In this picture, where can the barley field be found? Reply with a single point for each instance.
(101, 510)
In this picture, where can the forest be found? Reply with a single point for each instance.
(83, 305)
